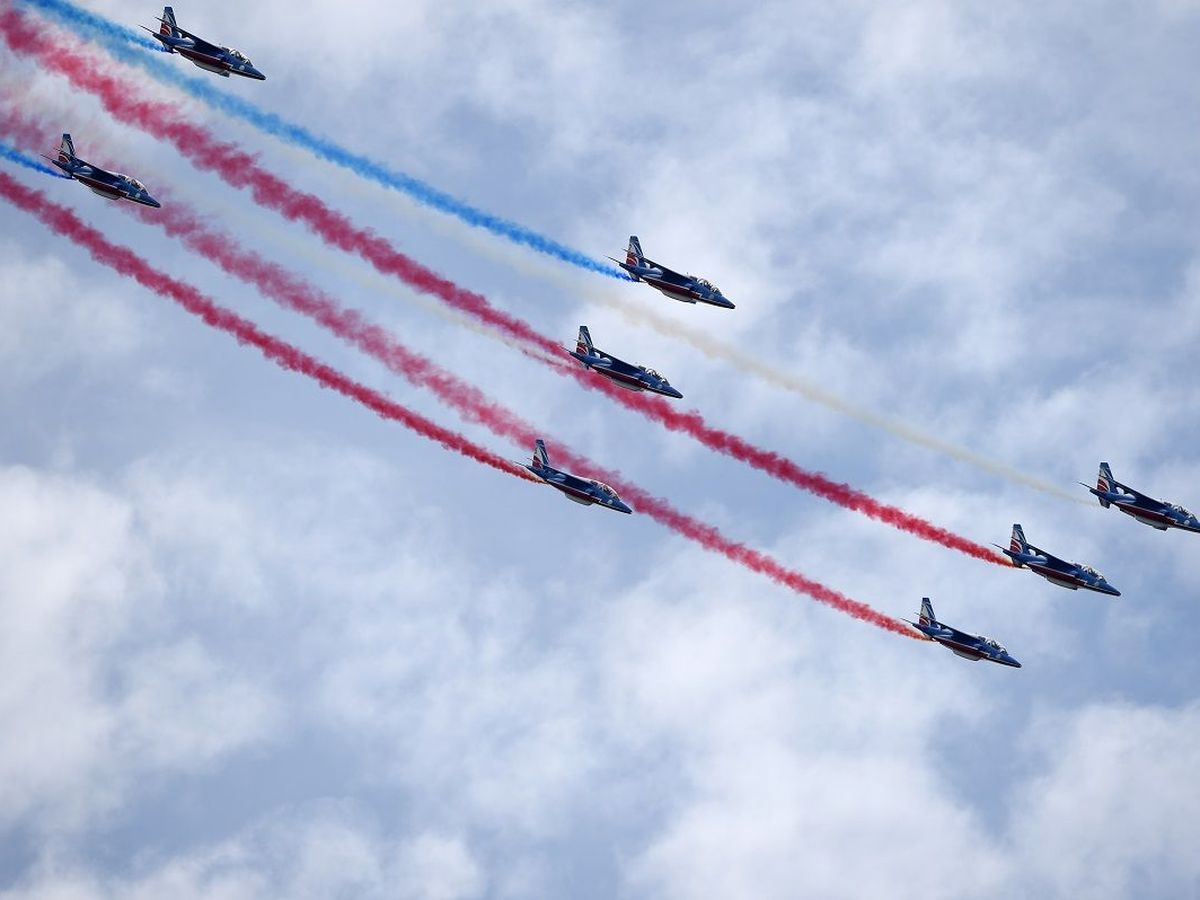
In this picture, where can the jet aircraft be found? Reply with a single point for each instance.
(110, 185)
(1147, 510)
(619, 372)
(687, 288)
(968, 646)
(224, 61)
(582, 490)
(1056, 571)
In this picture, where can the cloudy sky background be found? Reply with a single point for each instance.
(258, 643)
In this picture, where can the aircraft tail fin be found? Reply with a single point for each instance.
(1018, 544)
(927, 616)
(168, 27)
(633, 254)
(583, 343)
(540, 459)
(1104, 482)
(66, 150)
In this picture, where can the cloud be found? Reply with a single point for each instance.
(321, 852)
(1113, 813)
(385, 674)
(51, 318)
(93, 694)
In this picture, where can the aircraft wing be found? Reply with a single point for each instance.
(663, 271)
(1051, 559)
(199, 42)
(1138, 495)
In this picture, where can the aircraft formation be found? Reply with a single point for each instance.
(1157, 514)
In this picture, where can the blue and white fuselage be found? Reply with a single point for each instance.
(687, 288)
(585, 491)
(619, 372)
(969, 646)
(223, 61)
(109, 185)
(1155, 513)
(1057, 571)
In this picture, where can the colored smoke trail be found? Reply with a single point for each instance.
(105, 29)
(21, 159)
(115, 38)
(638, 312)
(66, 223)
(350, 325)
(782, 468)
(241, 170)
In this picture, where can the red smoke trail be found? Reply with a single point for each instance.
(241, 170)
(779, 466)
(275, 282)
(64, 222)
(350, 325)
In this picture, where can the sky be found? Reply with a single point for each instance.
(257, 642)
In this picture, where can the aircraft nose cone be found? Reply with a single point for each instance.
(150, 201)
(1012, 662)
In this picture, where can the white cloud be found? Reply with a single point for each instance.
(1115, 812)
(92, 694)
(51, 318)
(316, 853)
(946, 210)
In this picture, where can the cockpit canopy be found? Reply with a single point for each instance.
(994, 645)
(238, 55)
(1090, 571)
(1181, 510)
(654, 374)
(704, 282)
(605, 488)
(132, 182)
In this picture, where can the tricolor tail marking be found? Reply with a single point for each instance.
(168, 25)
(66, 149)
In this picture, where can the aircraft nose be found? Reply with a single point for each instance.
(150, 201)
(257, 75)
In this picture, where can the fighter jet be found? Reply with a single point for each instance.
(972, 647)
(687, 288)
(224, 61)
(110, 185)
(1146, 510)
(582, 490)
(619, 372)
(1056, 571)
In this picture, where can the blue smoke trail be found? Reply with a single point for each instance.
(29, 162)
(115, 37)
(101, 26)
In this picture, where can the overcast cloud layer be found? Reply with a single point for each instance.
(255, 642)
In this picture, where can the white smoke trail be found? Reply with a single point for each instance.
(293, 246)
(636, 313)
(489, 246)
